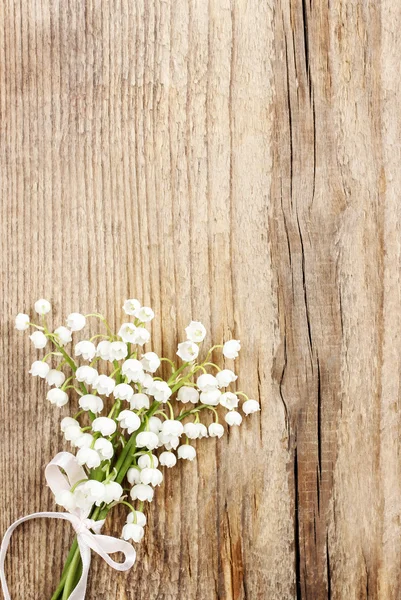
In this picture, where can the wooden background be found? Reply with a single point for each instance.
(237, 162)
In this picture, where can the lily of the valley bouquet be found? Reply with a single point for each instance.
(127, 425)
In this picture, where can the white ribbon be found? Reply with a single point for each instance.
(101, 544)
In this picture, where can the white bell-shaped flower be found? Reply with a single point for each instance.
(250, 406)
(39, 369)
(104, 425)
(123, 391)
(142, 492)
(216, 430)
(131, 305)
(186, 452)
(134, 475)
(151, 476)
(231, 348)
(57, 397)
(133, 531)
(63, 334)
(147, 439)
(103, 350)
(39, 339)
(132, 370)
(88, 457)
(91, 402)
(85, 349)
(202, 430)
(118, 350)
(68, 422)
(155, 424)
(207, 382)
(188, 351)
(94, 491)
(104, 448)
(42, 306)
(86, 374)
(188, 394)
(112, 492)
(225, 377)
(172, 427)
(160, 390)
(148, 461)
(229, 400)
(137, 517)
(211, 398)
(191, 431)
(150, 362)
(170, 442)
(144, 314)
(129, 420)
(139, 401)
(104, 385)
(233, 418)
(22, 322)
(66, 499)
(142, 336)
(196, 332)
(168, 459)
(84, 440)
(76, 321)
(55, 377)
(147, 381)
(71, 428)
(127, 332)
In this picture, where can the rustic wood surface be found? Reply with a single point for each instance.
(235, 161)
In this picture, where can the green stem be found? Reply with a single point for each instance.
(70, 579)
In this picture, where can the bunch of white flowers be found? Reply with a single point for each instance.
(131, 422)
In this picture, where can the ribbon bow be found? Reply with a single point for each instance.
(101, 544)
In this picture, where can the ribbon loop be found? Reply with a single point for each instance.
(101, 544)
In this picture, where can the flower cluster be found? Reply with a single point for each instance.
(131, 422)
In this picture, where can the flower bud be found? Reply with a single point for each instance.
(42, 306)
(21, 322)
(39, 339)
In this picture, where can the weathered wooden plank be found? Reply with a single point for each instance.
(236, 162)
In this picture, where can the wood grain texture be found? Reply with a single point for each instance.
(234, 161)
